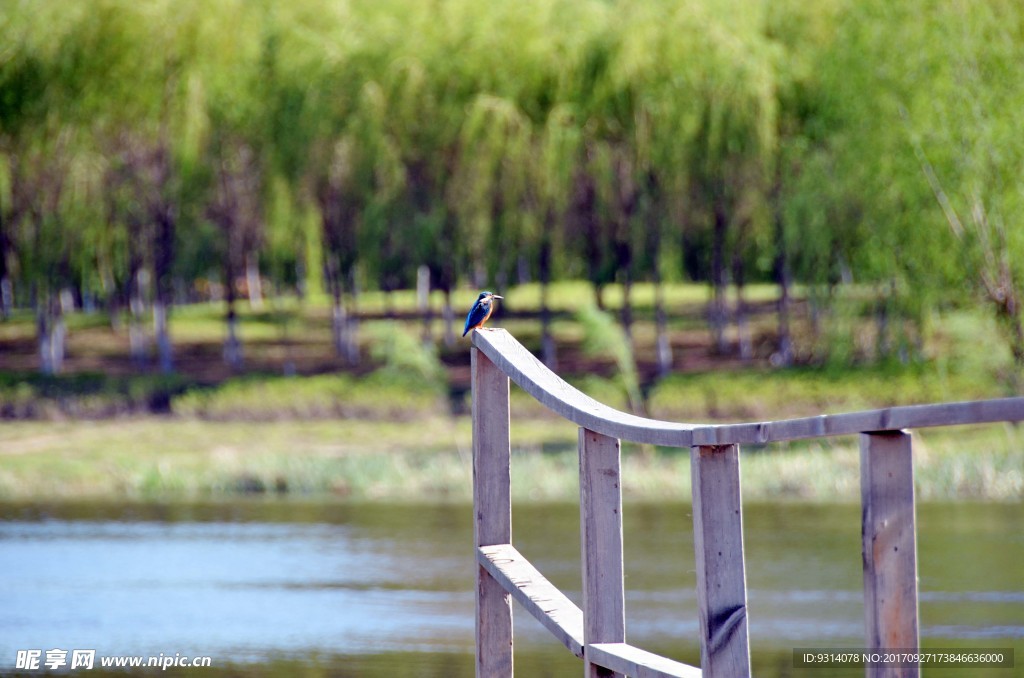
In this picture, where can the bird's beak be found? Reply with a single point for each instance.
(497, 297)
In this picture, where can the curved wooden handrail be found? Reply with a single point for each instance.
(557, 395)
(553, 392)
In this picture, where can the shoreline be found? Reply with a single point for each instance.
(154, 459)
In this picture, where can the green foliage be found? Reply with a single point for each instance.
(603, 337)
(379, 397)
(405, 358)
(32, 395)
(802, 392)
(554, 138)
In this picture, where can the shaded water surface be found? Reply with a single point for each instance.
(376, 590)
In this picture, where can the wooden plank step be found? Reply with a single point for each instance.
(632, 661)
(537, 595)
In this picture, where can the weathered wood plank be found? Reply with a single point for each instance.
(551, 390)
(721, 576)
(637, 663)
(604, 611)
(537, 595)
(492, 510)
(889, 547)
(893, 418)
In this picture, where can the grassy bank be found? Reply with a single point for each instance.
(429, 460)
(385, 431)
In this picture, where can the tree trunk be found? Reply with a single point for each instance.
(43, 337)
(660, 319)
(163, 258)
(163, 337)
(423, 304)
(136, 335)
(253, 281)
(51, 332)
(352, 339)
(339, 324)
(1017, 350)
(339, 321)
(547, 341)
(522, 270)
(624, 263)
(784, 355)
(742, 320)
(626, 314)
(6, 290)
(6, 297)
(1010, 316)
(599, 295)
(114, 312)
(449, 318)
(590, 227)
(718, 312)
(883, 346)
(232, 344)
(58, 341)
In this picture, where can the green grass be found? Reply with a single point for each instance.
(380, 396)
(430, 460)
(758, 394)
(568, 295)
(86, 394)
(384, 432)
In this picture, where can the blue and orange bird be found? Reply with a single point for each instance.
(480, 312)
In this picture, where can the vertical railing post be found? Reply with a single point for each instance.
(604, 615)
(889, 547)
(492, 511)
(721, 576)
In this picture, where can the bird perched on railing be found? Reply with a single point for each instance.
(480, 312)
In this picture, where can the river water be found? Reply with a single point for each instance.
(291, 588)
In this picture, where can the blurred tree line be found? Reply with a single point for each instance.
(157, 152)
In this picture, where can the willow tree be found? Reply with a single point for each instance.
(729, 146)
(151, 128)
(421, 128)
(227, 51)
(803, 34)
(492, 179)
(345, 191)
(867, 212)
(651, 72)
(26, 133)
(52, 88)
(963, 109)
(557, 147)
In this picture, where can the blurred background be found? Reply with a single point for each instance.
(238, 241)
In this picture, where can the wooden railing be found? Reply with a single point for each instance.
(596, 633)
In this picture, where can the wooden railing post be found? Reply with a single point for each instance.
(492, 511)
(721, 576)
(889, 547)
(604, 611)
(887, 486)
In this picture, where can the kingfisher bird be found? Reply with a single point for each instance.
(480, 312)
